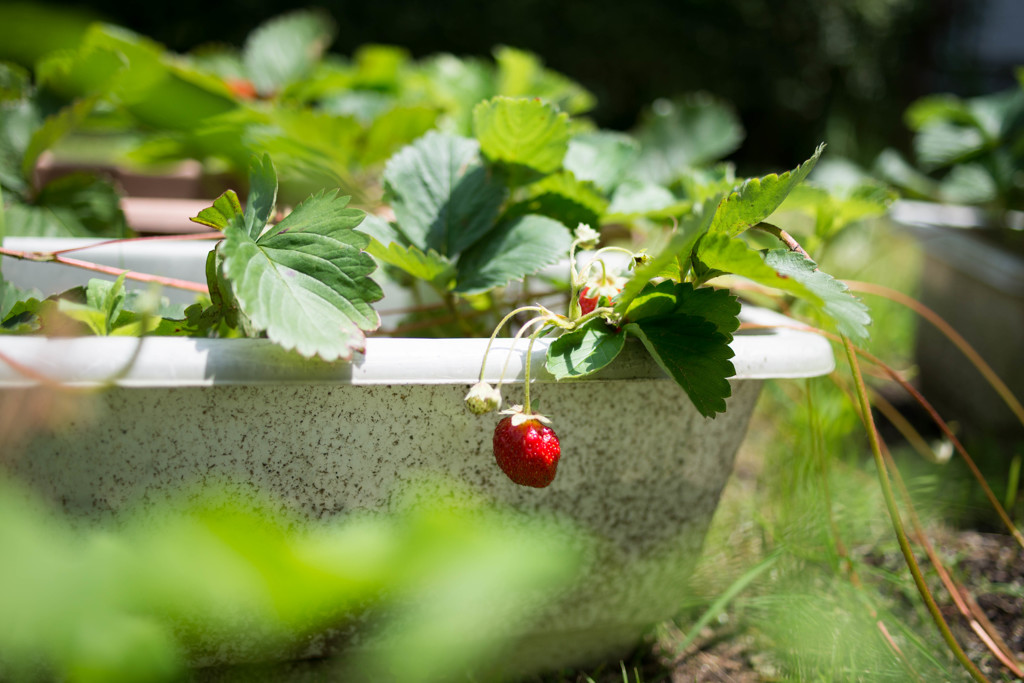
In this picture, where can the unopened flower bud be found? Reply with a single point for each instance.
(483, 398)
(587, 236)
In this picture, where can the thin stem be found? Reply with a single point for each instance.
(935, 319)
(108, 270)
(512, 347)
(494, 334)
(897, 523)
(784, 237)
(976, 619)
(211, 235)
(933, 414)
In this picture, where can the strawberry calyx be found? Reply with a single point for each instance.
(521, 416)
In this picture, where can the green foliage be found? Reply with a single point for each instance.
(223, 574)
(304, 280)
(442, 195)
(527, 137)
(514, 249)
(758, 198)
(968, 150)
(846, 312)
(286, 49)
(691, 132)
(584, 351)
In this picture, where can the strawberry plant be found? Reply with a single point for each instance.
(470, 218)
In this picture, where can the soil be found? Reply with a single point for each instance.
(992, 565)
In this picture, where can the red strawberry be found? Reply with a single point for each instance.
(526, 450)
(600, 292)
(588, 300)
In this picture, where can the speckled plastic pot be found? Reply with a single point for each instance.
(326, 439)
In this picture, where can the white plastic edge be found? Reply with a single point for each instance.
(782, 352)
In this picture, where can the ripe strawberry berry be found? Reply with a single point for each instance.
(600, 292)
(588, 300)
(525, 449)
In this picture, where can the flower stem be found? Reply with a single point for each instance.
(897, 523)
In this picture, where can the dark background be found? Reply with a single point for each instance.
(798, 71)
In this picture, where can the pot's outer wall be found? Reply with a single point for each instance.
(977, 288)
(640, 469)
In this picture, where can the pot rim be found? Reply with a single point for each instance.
(783, 352)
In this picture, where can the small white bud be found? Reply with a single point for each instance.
(587, 236)
(483, 398)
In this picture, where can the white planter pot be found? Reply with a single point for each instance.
(326, 439)
(978, 288)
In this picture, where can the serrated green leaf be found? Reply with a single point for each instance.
(833, 211)
(694, 353)
(943, 144)
(18, 121)
(891, 167)
(968, 184)
(429, 267)
(104, 301)
(226, 208)
(443, 197)
(850, 316)
(75, 205)
(653, 301)
(584, 351)
(262, 195)
(602, 157)
(562, 197)
(10, 295)
(758, 198)
(512, 251)
(527, 136)
(305, 282)
(53, 129)
(392, 129)
(286, 48)
(733, 255)
(668, 298)
(679, 134)
(635, 198)
(680, 246)
(522, 74)
(15, 82)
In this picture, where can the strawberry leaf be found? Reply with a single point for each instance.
(286, 48)
(848, 314)
(530, 138)
(602, 157)
(676, 135)
(584, 351)
(429, 266)
(262, 195)
(305, 281)
(225, 209)
(694, 353)
(515, 249)
(688, 331)
(442, 195)
(758, 198)
(562, 197)
(680, 246)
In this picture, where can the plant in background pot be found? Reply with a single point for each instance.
(965, 207)
(649, 387)
(79, 204)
